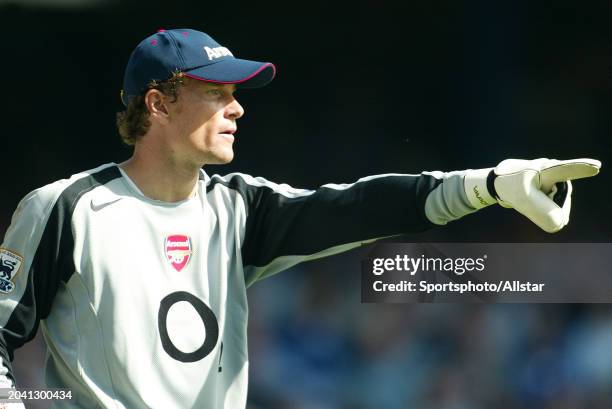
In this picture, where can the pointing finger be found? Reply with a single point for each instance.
(564, 170)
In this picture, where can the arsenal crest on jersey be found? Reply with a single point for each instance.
(178, 250)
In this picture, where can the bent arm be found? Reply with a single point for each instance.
(35, 257)
(18, 309)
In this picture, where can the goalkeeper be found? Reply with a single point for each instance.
(137, 272)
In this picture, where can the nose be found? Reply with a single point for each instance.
(234, 110)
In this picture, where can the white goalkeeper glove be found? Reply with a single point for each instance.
(540, 189)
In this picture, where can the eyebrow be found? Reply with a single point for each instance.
(231, 89)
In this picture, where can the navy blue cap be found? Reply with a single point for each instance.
(195, 54)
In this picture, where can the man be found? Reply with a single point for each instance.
(138, 271)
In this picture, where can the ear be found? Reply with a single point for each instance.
(156, 102)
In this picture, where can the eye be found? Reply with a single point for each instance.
(214, 91)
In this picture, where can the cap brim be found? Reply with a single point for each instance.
(243, 73)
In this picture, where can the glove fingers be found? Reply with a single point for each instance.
(559, 193)
(545, 213)
(563, 170)
(568, 202)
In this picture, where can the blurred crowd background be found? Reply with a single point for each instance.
(363, 87)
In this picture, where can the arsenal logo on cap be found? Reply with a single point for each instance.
(178, 250)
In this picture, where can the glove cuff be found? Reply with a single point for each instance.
(477, 183)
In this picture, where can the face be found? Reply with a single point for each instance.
(202, 122)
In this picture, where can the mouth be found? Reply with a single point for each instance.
(228, 134)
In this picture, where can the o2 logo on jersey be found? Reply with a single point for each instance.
(209, 319)
(178, 250)
(10, 263)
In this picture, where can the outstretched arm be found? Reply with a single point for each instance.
(286, 226)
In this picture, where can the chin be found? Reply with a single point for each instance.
(225, 161)
(221, 158)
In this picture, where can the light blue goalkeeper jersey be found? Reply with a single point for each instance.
(143, 303)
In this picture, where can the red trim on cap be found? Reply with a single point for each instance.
(266, 65)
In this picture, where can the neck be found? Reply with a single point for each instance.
(160, 177)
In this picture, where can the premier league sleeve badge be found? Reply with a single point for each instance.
(10, 264)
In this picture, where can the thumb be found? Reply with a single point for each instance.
(563, 170)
